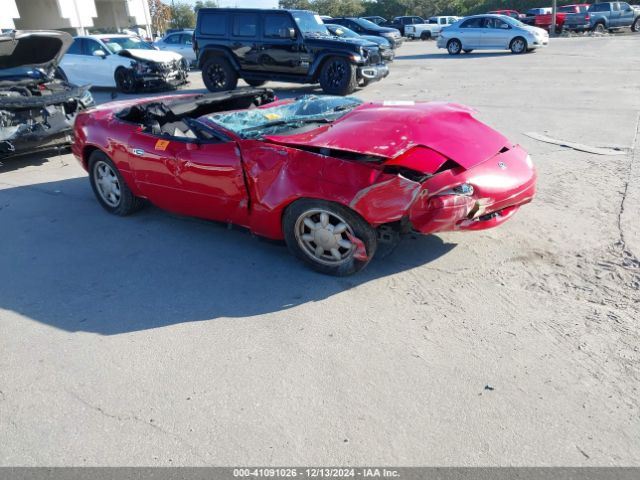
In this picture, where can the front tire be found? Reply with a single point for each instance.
(125, 82)
(518, 45)
(329, 237)
(218, 75)
(109, 187)
(338, 77)
(454, 46)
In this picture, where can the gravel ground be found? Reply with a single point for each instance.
(161, 340)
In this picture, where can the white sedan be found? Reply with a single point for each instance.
(179, 42)
(491, 32)
(122, 61)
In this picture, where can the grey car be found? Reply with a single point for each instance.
(491, 32)
(180, 42)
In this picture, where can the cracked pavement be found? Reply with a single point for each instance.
(161, 340)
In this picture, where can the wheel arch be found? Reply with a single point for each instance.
(209, 52)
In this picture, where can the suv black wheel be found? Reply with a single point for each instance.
(255, 83)
(218, 75)
(338, 77)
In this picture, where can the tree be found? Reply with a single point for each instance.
(295, 4)
(160, 16)
(182, 15)
(205, 4)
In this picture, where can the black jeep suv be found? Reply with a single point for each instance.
(286, 45)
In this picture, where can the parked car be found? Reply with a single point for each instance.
(604, 16)
(431, 29)
(377, 20)
(37, 104)
(400, 23)
(530, 15)
(122, 61)
(285, 45)
(544, 20)
(180, 42)
(386, 52)
(509, 13)
(323, 173)
(491, 32)
(365, 27)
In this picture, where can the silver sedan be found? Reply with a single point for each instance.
(491, 32)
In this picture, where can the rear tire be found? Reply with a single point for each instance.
(338, 77)
(124, 80)
(454, 46)
(425, 36)
(468, 50)
(635, 27)
(255, 83)
(109, 187)
(518, 45)
(218, 75)
(329, 237)
(599, 27)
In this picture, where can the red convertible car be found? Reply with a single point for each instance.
(332, 176)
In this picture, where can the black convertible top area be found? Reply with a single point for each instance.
(196, 106)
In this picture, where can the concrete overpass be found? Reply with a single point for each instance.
(75, 16)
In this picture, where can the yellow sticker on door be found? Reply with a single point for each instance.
(162, 145)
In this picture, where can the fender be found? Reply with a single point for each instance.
(219, 51)
(314, 70)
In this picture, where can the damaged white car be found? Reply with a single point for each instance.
(123, 61)
(37, 104)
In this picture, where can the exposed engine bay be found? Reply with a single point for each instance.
(37, 105)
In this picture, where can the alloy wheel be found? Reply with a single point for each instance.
(217, 76)
(325, 237)
(336, 74)
(107, 182)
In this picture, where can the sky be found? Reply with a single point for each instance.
(242, 3)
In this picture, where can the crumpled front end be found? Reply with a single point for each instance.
(434, 194)
(29, 122)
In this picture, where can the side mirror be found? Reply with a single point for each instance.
(292, 33)
(99, 53)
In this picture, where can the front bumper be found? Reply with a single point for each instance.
(373, 73)
(152, 80)
(396, 42)
(387, 55)
(498, 195)
(577, 28)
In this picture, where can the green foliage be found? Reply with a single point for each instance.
(205, 4)
(182, 15)
(424, 8)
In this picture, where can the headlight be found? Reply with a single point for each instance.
(388, 35)
(466, 189)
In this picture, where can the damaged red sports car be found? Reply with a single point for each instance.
(332, 176)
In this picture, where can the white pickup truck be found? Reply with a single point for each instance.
(429, 30)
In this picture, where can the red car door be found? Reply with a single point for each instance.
(200, 178)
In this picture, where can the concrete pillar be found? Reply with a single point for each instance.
(8, 13)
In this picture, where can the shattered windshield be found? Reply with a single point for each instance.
(310, 24)
(268, 121)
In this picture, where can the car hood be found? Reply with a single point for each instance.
(359, 41)
(33, 48)
(382, 129)
(383, 42)
(158, 56)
